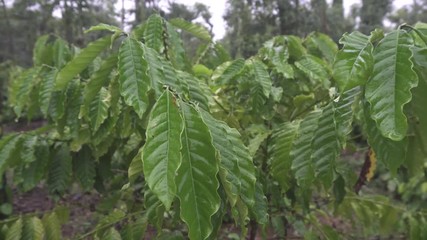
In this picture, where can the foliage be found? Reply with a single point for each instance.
(196, 143)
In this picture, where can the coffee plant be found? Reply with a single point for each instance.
(186, 145)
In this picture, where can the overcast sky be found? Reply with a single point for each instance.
(217, 8)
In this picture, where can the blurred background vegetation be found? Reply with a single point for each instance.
(249, 23)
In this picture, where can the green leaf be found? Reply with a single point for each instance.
(326, 146)
(98, 80)
(153, 34)
(314, 69)
(103, 26)
(225, 72)
(134, 81)
(280, 148)
(161, 152)
(324, 44)
(46, 88)
(21, 89)
(112, 234)
(260, 208)
(154, 209)
(52, 226)
(196, 180)
(389, 87)
(302, 166)
(194, 89)
(42, 51)
(84, 167)
(15, 231)
(37, 169)
(344, 109)
(98, 109)
(28, 149)
(155, 70)
(193, 28)
(60, 171)
(61, 53)
(391, 153)
(262, 77)
(8, 146)
(80, 62)
(176, 51)
(353, 63)
(417, 147)
(33, 229)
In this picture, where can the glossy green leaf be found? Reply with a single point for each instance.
(80, 62)
(280, 148)
(196, 180)
(134, 81)
(153, 34)
(155, 70)
(344, 111)
(322, 43)
(84, 167)
(194, 89)
(15, 231)
(302, 166)
(46, 88)
(224, 73)
(33, 229)
(314, 69)
(36, 170)
(176, 51)
(42, 52)
(229, 172)
(262, 77)
(161, 152)
(98, 108)
(391, 153)
(21, 89)
(52, 226)
(326, 146)
(8, 145)
(353, 63)
(388, 89)
(60, 171)
(260, 208)
(154, 209)
(193, 28)
(112, 234)
(99, 79)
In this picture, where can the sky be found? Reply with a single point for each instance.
(217, 8)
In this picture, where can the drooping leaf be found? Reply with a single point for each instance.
(154, 209)
(21, 89)
(388, 89)
(260, 208)
(155, 70)
(196, 180)
(46, 88)
(279, 150)
(33, 229)
(37, 169)
(194, 89)
(42, 51)
(8, 146)
(84, 167)
(60, 171)
(52, 226)
(80, 62)
(98, 108)
(344, 109)
(134, 81)
(15, 231)
(302, 166)
(161, 152)
(322, 43)
(262, 77)
(353, 63)
(227, 71)
(314, 69)
(391, 153)
(193, 28)
(112, 234)
(99, 79)
(326, 146)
